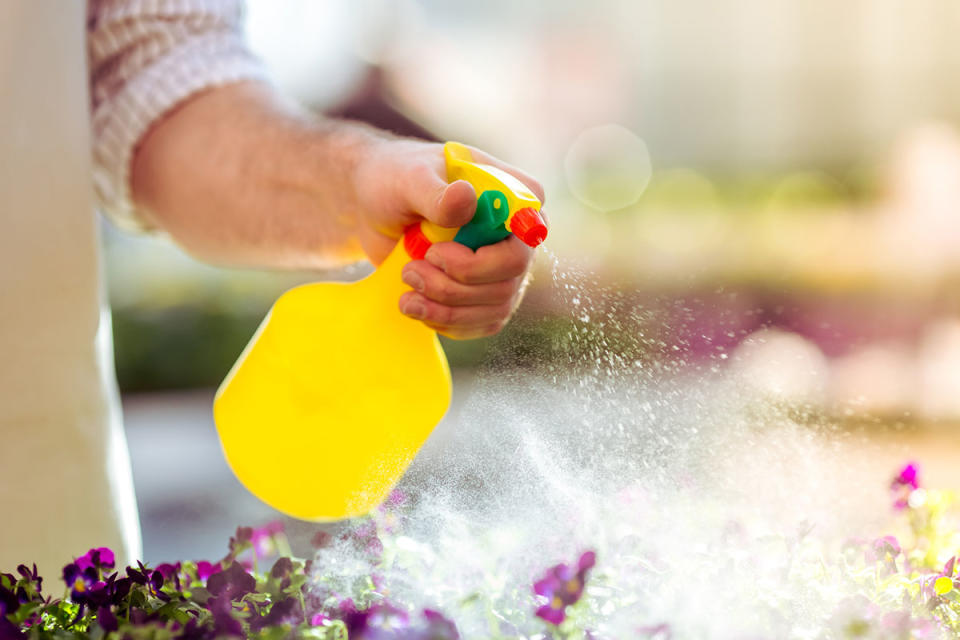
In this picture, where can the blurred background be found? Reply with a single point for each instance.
(775, 184)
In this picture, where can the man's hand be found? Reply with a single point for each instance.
(460, 293)
(236, 175)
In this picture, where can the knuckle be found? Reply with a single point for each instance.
(442, 315)
(459, 271)
(423, 172)
(446, 291)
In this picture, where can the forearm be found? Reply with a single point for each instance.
(237, 176)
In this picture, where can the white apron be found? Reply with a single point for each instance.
(65, 483)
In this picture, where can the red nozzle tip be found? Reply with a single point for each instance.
(528, 225)
(416, 242)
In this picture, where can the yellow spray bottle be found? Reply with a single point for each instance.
(337, 390)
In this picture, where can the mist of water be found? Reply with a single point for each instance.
(710, 509)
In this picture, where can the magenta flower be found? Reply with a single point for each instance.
(909, 475)
(170, 572)
(99, 558)
(905, 482)
(262, 538)
(395, 500)
(562, 586)
(205, 569)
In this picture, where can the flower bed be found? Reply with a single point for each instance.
(903, 586)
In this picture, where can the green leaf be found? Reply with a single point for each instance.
(24, 612)
(200, 595)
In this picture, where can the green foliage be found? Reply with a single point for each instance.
(179, 347)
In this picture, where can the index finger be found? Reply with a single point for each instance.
(504, 260)
(532, 183)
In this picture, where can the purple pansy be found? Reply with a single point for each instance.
(233, 582)
(949, 571)
(386, 622)
(9, 602)
(85, 585)
(854, 617)
(365, 538)
(320, 540)
(170, 572)
(106, 619)
(225, 623)
(376, 622)
(31, 575)
(346, 607)
(9, 631)
(562, 586)
(286, 611)
(84, 577)
(439, 627)
(885, 550)
(902, 624)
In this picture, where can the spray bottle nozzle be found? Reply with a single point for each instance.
(528, 225)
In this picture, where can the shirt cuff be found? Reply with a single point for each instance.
(119, 123)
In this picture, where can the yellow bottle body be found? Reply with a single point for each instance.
(333, 397)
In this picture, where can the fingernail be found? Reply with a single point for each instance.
(415, 309)
(413, 279)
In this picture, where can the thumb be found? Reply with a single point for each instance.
(455, 206)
